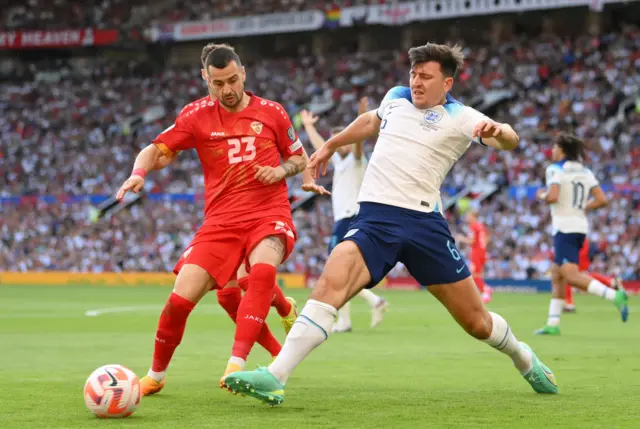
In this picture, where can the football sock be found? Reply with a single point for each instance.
(170, 331)
(555, 310)
(568, 295)
(279, 302)
(598, 289)
(605, 280)
(310, 330)
(254, 309)
(371, 298)
(503, 340)
(229, 299)
(479, 282)
(344, 319)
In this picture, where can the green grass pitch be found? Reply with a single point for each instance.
(417, 370)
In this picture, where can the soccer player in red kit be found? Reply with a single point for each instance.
(239, 139)
(477, 240)
(583, 265)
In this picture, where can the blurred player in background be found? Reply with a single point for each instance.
(349, 164)
(569, 188)
(584, 261)
(422, 131)
(240, 139)
(477, 240)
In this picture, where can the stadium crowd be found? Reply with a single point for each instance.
(79, 136)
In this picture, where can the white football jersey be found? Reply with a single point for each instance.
(415, 150)
(348, 173)
(576, 182)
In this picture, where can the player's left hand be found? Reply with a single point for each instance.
(319, 160)
(487, 129)
(315, 188)
(269, 175)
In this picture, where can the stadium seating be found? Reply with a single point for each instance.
(76, 137)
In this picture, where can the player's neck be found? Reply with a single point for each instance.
(246, 98)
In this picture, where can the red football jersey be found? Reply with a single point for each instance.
(479, 232)
(230, 145)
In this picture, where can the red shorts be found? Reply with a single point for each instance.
(478, 259)
(220, 249)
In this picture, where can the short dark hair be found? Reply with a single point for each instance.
(572, 146)
(221, 56)
(209, 47)
(450, 58)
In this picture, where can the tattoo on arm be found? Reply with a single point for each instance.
(291, 168)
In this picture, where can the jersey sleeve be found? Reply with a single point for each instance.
(289, 143)
(593, 181)
(467, 119)
(553, 175)
(395, 93)
(176, 138)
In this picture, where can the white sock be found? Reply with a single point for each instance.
(310, 330)
(600, 289)
(157, 376)
(503, 340)
(237, 361)
(371, 298)
(344, 316)
(555, 311)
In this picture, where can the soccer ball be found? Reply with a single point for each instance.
(112, 391)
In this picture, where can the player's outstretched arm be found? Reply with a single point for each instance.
(497, 135)
(365, 126)
(147, 159)
(308, 182)
(308, 122)
(363, 107)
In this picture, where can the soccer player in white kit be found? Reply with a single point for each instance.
(569, 188)
(422, 131)
(349, 165)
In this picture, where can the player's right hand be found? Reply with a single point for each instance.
(319, 160)
(308, 118)
(133, 183)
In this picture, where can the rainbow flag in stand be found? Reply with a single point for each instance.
(332, 18)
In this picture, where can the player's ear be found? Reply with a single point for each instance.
(204, 75)
(244, 74)
(448, 84)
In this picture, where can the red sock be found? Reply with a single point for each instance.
(480, 283)
(279, 302)
(254, 309)
(602, 279)
(170, 330)
(229, 299)
(568, 295)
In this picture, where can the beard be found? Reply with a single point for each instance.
(231, 99)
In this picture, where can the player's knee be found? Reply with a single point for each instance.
(330, 290)
(193, 282)
(478, 325)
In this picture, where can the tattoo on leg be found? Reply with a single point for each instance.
(275, 244)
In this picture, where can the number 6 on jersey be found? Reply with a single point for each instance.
(235, 148)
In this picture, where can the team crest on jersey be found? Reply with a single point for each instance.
(291, 133)
(432, 117)
(256, 127)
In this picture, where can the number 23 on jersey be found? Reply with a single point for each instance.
(241, 150)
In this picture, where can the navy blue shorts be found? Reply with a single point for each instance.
(566, 247)
(340, 229)
(421, 241)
